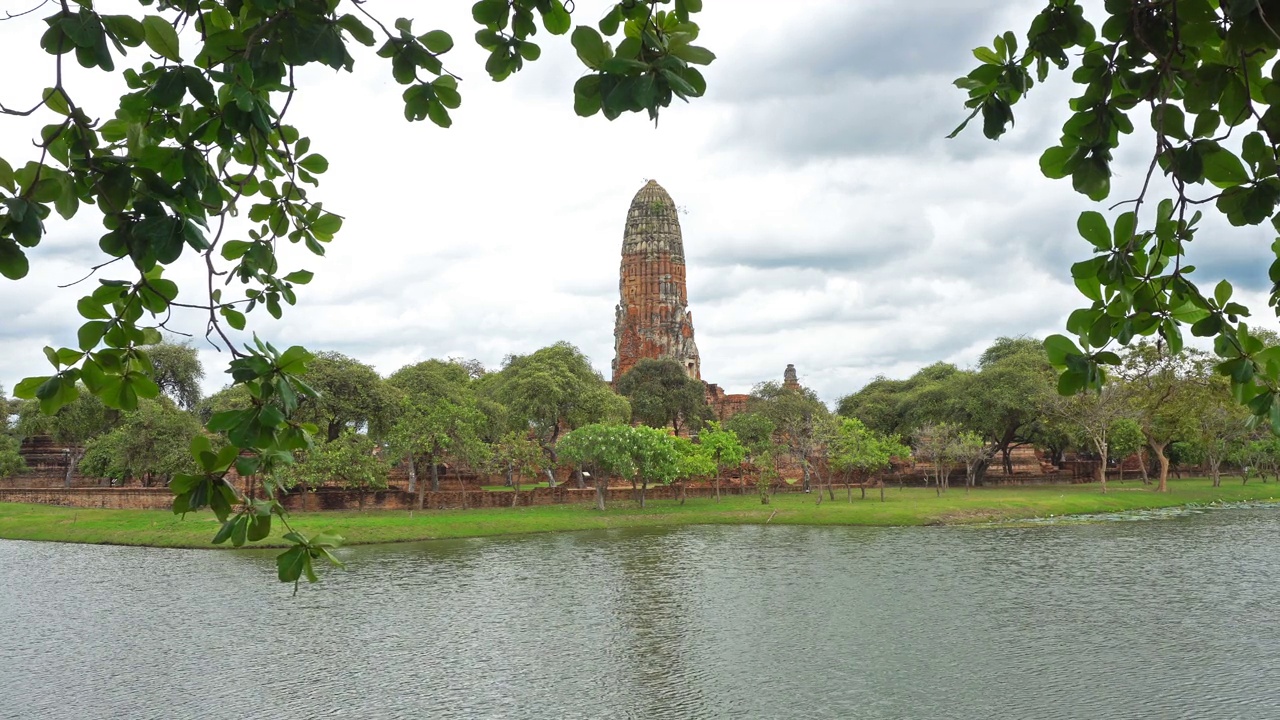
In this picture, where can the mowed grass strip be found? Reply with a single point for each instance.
(910, 506)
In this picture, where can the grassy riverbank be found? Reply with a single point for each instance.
(912, 506)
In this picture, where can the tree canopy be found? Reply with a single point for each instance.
(662, 393)
(1201, 74)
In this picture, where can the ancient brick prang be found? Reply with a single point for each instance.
(653, 319)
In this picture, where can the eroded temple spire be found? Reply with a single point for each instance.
(653, 319)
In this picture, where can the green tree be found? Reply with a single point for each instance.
(935, 444)
(855, 448)
(605, 448)
(423, 385)
(1090, 417)
(349, 395)
(1202, 72)
(657, 459)
(203, 133)
(352, 460)
(796, 414)
(1217, 426)
(971, 449)
(11, 463)
(724, 449)
(517, 456)
(1003, 399)
(438, 431)
(552, 390)
(694, 461)
(935, 393)
(662, 393)
(754, 430)
(1162, 390)
(1124, 439)
(150, 443)
(177, 372)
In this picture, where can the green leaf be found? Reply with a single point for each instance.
(1224, 169)
(437, 41)
(590, 47)
(987, 56)
(314, 163)
(90, 334)
(556, 19)
(693, 54)
(13, 261)
(299, 277)
(291, 563)
(1058, 347)
(161, 37)
(1222, 293)
(1093, 227)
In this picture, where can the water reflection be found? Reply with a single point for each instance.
(1158, 619)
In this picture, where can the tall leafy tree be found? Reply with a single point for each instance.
(438, 431)
(1162, 390)
(855, 448)
(933, 394)
(603, 447)
(1091, 418)
(349, 395)
(662, 393)
(797, 414)
(177, 371)
(724, 448)
(1004, 397)
(552, 390)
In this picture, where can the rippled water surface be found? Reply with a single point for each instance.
(1174, 618)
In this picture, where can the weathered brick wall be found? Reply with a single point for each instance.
(115, 498)
(334, 499)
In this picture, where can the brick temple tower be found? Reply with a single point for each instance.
(653, 319)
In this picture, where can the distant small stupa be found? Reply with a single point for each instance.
(789, 379)
(653, 319)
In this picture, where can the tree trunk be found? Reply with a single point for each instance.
(1158, 449)
(681, 494)
(1005, 452)
(864, 492)
(717, 484)
(643, 486)
(413, 473)
(1213, 470)
(599, 493)
(362, 492)
(1102, 469)
(551, 478)
(578, 477)
(804, 464)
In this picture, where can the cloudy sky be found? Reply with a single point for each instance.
(827, 221)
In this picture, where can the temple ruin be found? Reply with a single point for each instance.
(652, 319)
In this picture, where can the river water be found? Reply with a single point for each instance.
(1173, 618)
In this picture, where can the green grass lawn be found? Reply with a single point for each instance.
(912, 506)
